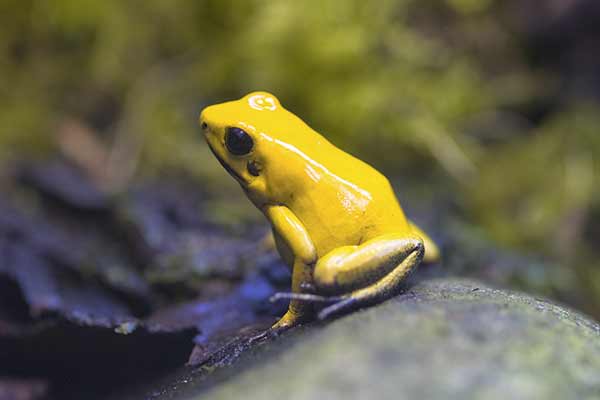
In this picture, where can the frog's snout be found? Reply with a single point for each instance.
(207, 120)
(205, 126)
(202, 119)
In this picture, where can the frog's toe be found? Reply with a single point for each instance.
(264, 336)
(340, 307)
(305, 297)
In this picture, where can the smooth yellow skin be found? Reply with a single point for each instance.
(335, 219)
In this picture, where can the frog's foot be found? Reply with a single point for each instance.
(340, 303)
(264, 336)
(285, 323)
(304, 297)
(340, 307)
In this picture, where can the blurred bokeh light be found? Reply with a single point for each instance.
(493, 104)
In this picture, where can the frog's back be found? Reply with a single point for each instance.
(345, 201)
(339, 198)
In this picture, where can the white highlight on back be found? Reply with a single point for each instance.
(313, 166)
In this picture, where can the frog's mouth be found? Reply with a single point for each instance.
(231, 171)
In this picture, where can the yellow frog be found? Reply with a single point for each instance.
(335, 219)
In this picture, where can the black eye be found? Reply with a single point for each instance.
(238, 142)
(204, 126)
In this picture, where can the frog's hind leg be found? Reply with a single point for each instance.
(367, 273)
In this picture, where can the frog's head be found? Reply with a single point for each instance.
(232, 131)
(241, 135)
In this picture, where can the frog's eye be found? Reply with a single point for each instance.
(238, 142)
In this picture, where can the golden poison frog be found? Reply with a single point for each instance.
(335, 219)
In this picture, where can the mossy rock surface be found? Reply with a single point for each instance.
(442, 339)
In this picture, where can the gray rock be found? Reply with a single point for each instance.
(443, 339)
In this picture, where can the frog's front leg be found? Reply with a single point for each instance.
(297, 248)
(366, 273)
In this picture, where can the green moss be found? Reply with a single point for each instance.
(445, 339)
(419, 89)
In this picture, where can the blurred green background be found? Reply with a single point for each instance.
(491, 105)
